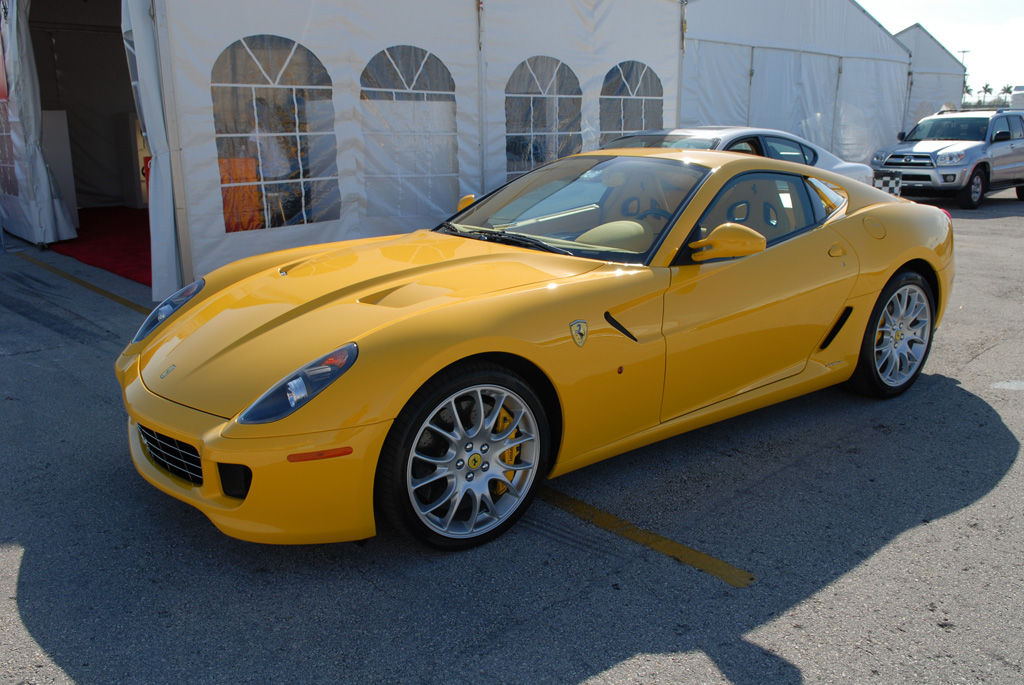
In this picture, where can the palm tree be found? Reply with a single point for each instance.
(1007, 91)
(968, 91)
(986, 90)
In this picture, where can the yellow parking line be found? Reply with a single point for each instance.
(85, 284)
(732, 575)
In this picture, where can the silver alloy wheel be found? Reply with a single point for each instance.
(473, 461)
(977, 186)
(901, 335)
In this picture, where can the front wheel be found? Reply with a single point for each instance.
(463, 459)
(970, 196)
(898, 338)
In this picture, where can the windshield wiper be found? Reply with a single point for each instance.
(448, 227)
(517, 239)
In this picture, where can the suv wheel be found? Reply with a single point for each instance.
(969, 197)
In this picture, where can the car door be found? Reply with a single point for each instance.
(1017, 145)
(734, 325)
(1001, 153)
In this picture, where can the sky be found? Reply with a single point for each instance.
(991, 30)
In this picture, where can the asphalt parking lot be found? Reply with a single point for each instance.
(885, 540)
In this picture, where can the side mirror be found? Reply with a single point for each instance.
(1001, 136)
(728, 240)
(466, 201)
(901, 135)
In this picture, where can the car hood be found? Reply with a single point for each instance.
(239, 339)
(933, 146)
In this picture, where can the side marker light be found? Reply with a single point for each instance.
(322, 454)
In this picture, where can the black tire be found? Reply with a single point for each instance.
(898, 337)
(1020, 192)
(446, 475)
(971, 195)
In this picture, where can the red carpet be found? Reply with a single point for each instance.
(112, 238)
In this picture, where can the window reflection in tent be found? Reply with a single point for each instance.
(274, 127)
(407, 102)
(631, 100)
(543, 100)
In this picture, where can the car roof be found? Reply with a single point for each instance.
(719, 131)
(713, 159)
(692, 130)
(963, 113)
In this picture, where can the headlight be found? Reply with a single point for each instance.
(879, 158)
(300, 387)
(166, 308)
(946, 158)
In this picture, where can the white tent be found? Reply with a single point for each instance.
(31, 205)
(271, 126)
(327, 121)
(825, 70)
(937, 77)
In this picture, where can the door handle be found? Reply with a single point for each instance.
(836, 250)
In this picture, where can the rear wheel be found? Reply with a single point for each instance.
(970, 196)
(462, 461)
(898, 338)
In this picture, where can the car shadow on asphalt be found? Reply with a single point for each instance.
(119, 583)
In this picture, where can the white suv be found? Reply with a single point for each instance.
(966, 154)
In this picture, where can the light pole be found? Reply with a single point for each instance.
(964, 93)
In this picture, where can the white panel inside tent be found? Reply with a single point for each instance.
(817, 77)
(795, 91)
(715, 84)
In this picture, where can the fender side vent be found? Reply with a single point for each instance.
(235, 479)
(619, 327)
(836, 328)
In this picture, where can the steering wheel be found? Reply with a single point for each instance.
(660, 213)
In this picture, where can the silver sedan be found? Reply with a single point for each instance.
(756, 141)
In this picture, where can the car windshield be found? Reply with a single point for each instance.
(952, 128)
(679, 141)
(609, 208)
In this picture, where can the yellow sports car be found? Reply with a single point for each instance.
(597, 304)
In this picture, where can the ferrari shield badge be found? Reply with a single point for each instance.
(579, 329)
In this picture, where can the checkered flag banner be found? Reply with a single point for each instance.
(889, 181)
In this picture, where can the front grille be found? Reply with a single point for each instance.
(910, 161)
(917, 177)
(178, 458)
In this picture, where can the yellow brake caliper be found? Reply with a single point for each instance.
(509, 456)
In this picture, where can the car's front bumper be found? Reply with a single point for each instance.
(933, 180)
(298, 501)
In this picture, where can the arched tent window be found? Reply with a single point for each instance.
(274, 126)
(542, 114)
(408, 121)
(631, 100)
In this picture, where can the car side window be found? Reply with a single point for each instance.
(749, 146)
(1016, 128)
(778, 206)
(810, 155)
(1000, 124)
(788, 150)
(826, 199)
